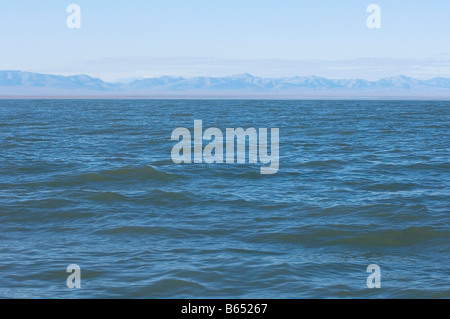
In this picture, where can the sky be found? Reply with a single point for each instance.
(270, 38)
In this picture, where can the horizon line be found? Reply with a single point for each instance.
(217, 97)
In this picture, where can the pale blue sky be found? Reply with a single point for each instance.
(197, 37)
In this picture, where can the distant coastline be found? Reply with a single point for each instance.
(26, 85)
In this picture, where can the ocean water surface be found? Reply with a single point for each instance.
(92, 183)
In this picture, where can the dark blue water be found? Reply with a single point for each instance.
(91, 182)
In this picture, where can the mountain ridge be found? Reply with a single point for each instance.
(21, 82)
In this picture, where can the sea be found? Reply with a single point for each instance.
(92, 183)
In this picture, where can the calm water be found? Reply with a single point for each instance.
(93, 183)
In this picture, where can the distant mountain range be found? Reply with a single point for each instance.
(18, 83)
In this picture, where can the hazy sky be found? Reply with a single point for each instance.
(137, 38)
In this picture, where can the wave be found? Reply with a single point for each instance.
(355, 235)
(143, 173)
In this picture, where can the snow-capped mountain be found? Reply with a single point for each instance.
(27, 83)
